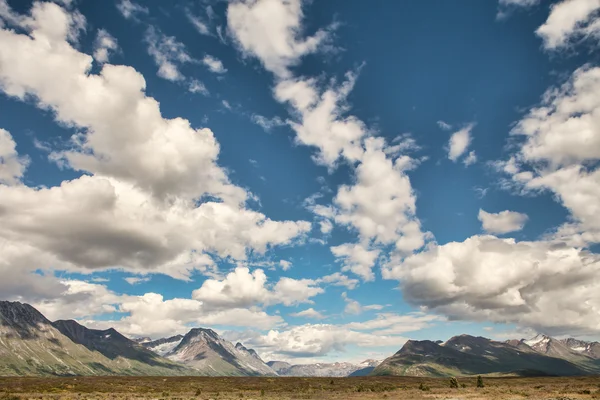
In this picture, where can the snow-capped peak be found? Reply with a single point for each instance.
(538, 340)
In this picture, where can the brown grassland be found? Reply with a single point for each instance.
(184, 388)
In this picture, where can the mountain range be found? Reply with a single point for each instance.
(470, 355)
(30, 344)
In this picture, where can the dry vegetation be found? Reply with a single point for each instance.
(184, 388)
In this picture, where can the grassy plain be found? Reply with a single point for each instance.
(185, 388)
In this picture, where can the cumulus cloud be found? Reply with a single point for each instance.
(242, 288)
(214, 64)
(271, 30)
(380, 204)
(560, 151)
(134, 280)
(309, 313)
(339, 279)
(12, 166)
(167, 53)
(502, 222)
(459, 142)
(146, 315)
(321, 121)
(357, 259)
(551, 288)
(104, 45)
(569, 20)
(132, 211)
(354, 307)
(314, 340)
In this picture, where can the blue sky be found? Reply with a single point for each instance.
(321, 180)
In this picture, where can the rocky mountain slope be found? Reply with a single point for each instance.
(590, 349)
(338, 369)
(204, 350)
(164, 346)
(118, 348)
(32, 345)
(469, 355)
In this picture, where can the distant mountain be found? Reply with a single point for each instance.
(584, 354)
(208, 353)
(338, 369)
(117, 347)
(590, 349)
(469, 355)
(31, 345)
(163, 346)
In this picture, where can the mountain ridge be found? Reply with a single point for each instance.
(470, 355)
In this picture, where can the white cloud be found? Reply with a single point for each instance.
(506, 6)
(167, 53)
(200, 25)
(444, 125)
(267, 123)
(381, 204)
(104, 45)
(214, 64)
(357, 259)
(314, 340)
(12, 166)
(285, 265)
(561, 149)
(309, 313)
(242, 288)
(551, 288)
(502, 222)
(195, 86)
(322, 124)
(396, 324)
(146, 315)
(354, 307)
(130, 9)
(134, 212)
(134, 280)
(326, 226)
(470, 159)
(459, 142)
(271, 30)
(520, 3)
(339, 279)
(570, 19)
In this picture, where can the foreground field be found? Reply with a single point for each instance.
(172, 388)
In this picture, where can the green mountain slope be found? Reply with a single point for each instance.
(31, 345)
(468, 355)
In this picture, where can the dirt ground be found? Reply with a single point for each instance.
(184, 388)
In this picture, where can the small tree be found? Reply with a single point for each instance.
(454, 383)
(480, 381)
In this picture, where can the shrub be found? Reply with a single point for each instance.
(454, 383)
(480, 382)
(423, 387)
(262, 392)
(198, 392)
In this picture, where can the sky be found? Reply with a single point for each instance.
(320, 180)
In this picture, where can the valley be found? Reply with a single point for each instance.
(229, 388)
